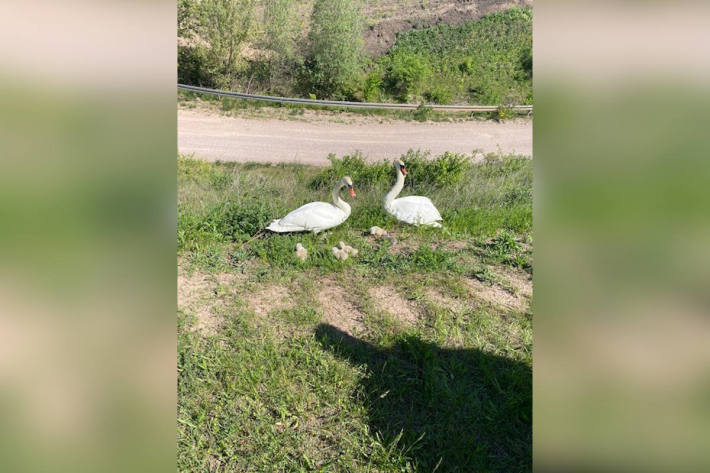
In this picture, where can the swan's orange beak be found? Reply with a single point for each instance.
(352, 191)
(404, 170)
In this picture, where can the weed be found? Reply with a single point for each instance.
(423, 113)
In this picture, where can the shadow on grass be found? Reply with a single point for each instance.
(461, 409)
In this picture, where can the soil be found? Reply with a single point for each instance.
(387, 300)
(269, 298)
(495, 295)
(338, 310)
(196, 297)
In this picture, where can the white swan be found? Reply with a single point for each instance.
(414, 209)
(317, 216)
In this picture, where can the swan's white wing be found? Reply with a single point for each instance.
(415, 209)
(313, 216)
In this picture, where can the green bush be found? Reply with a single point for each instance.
(193, 233)
(362, 173)
(443, 170)
(439, 95)
(423, 113)
(466, 66)
(239, 220)
(335, 55)
(526, 62)
(372, 87)
(225, 221)
(406, 73)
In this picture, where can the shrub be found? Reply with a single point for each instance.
(239, 220)
(439, 95)
(406, 74)
(503, 112)
(466, 66)
(224, 26)
(222, 222)
(371, 87)
(362, 173)
(193, 232)
(423, 113)
(444, 170)
(504, 244)
(441, 171)
(335, 48)
(526, 62)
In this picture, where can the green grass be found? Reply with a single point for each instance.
(278, 388)
(488, 61)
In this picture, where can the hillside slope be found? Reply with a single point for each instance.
(386, 18)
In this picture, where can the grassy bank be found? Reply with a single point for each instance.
(257, 109)
(413, 354)
(487, 61)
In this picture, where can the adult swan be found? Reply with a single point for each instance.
(414, 209)
(317, 216)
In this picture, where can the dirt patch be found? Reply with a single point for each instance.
(338, 311)
(387, 299)
(191, 288)
(269, 298)
(403, 246)
(521, 282)
(229, 279)
(495, 295)
(444, 301)
(196, 297)
(455, 245)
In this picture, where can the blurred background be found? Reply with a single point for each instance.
(87, 236)
(621, 352)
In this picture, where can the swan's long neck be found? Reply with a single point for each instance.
(340, 203)
(396, 189)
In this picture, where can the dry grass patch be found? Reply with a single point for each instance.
(520, 281)
(196, 296)
(338, 310)
(387, 300)
(495, 295)
(269, 298)
(441, 300)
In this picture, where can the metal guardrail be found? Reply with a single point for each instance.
(338, 103)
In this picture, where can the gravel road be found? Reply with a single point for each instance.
(214, 136)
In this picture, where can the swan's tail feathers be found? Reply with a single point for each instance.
(276, 227)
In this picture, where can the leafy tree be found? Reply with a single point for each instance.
(335, 47)
(281, 30)
(191, 54)
(187, 16)
(224, 25)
